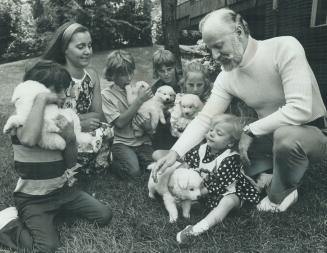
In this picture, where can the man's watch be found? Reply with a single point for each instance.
(248, 132)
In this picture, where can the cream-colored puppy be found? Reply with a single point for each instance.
(186, 108)
(151, 110)
(23, 98)
(178, 185)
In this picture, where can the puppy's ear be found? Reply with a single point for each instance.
(198, 104)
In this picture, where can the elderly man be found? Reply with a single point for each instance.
(274, 78)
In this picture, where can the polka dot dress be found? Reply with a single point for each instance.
(220, 176)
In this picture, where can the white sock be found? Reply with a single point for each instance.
(200, 227)
(7, 215)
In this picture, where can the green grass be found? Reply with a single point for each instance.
(141, 224)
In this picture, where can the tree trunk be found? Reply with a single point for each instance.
(170, 31)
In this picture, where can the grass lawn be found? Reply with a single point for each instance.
(141, 224)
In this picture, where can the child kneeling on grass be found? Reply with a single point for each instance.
(131, 153)
(42, 191)
(219, 164)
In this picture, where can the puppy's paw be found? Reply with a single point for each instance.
(172, 218)
(151, 195)
(186, 215)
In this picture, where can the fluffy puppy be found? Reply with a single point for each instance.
(133, 89)
(186, 108)
(23, 98)
(167, 95)
(178, 185)
(151, 111)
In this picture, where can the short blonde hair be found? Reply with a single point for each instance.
(162, 58)
(235, 123)
(119, 62)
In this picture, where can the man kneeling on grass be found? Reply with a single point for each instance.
(42, 191)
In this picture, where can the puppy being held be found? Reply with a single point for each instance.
(23, 98)
(151, 111)
(186, 108)
(178, 185)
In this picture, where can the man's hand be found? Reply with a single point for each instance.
(163, 163)
(243, 146)
(66, 128)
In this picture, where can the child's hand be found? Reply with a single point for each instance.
(90, 124)
(144, 94)
(66, 128)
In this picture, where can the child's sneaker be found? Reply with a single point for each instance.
(7, 215)
(184, 236)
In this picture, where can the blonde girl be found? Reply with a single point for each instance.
(219, 163)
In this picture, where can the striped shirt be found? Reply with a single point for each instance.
(40, 171)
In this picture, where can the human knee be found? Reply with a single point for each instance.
(105, 216)
(134, 172)
(230, 201)
(284, 140)
(47, 246)
(128, 168)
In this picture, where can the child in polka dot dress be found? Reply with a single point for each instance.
(218, 162)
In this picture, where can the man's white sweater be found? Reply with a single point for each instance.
(274, 78)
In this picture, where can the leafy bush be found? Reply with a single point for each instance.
(27, 26)
(5, 28)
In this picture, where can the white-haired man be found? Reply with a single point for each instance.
(274, 78)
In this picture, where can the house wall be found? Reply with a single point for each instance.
(292, 17)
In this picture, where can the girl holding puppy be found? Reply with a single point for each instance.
(195, 81)
(219, 164)
(42, 191)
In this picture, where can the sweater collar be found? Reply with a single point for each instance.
(250, 52)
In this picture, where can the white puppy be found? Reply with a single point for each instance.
(23, 98)
(178, 185)
(152, 109)
(186, 108)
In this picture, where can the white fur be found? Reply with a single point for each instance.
(177, 185)
(184, 111)
(152, 109)
(23, 98)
